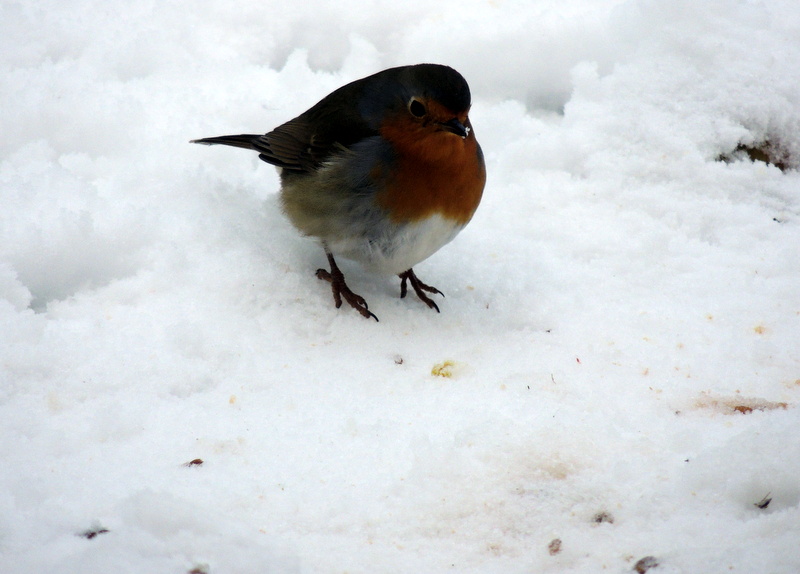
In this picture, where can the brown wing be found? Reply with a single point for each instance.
(294, 145)
(309, 140)
(302, 144)
(306, 142)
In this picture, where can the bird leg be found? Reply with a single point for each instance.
(419, 288)
(340, 289)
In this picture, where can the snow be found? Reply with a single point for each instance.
(620, 332)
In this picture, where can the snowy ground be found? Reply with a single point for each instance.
(621, 328)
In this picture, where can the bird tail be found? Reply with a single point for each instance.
(246, 141)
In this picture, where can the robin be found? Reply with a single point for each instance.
(383, 171)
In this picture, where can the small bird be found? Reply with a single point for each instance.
(383, 171)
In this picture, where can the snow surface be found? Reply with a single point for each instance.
(620, 335)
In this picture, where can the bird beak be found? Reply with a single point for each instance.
(454, 126)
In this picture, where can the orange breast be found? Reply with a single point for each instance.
(436, 173)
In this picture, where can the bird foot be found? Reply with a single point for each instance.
(419, 288)
(340, 289)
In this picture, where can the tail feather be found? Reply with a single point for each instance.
(246, 141)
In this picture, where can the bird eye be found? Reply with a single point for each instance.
(416, 108)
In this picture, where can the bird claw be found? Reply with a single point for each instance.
(419, 288)
(340, 289)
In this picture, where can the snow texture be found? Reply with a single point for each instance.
(615, 373)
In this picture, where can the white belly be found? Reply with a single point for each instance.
(400, 247)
